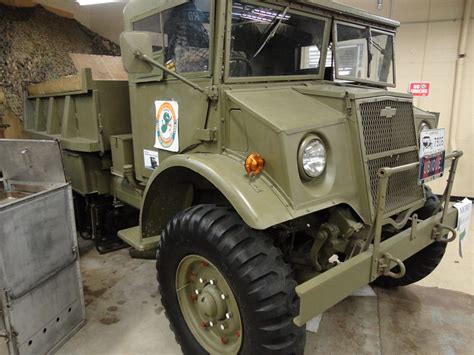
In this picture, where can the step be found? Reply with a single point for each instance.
(132, 236)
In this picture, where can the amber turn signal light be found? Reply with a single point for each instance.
(254, 164)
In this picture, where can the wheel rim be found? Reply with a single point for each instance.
(208, 305)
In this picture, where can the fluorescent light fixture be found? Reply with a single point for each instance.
(96, 2)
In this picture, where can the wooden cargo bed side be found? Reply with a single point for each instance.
(72, 83)
(104, 67)
(90, 68)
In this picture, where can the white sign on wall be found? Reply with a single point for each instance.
(464, 216)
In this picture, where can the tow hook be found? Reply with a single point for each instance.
(384, 266)
(438, 236)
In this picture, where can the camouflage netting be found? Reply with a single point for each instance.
(34, 46)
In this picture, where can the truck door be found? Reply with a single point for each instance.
(165, 111)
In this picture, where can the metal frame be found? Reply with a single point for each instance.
(381, 219)
(10, 339)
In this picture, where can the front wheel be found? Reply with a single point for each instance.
(225, 287)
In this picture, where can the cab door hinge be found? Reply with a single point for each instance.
(206, 135)
(212, 94)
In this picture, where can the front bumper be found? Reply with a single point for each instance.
(327, 289)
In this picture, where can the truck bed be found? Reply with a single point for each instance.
(79, 111)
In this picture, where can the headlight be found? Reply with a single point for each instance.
(423, 127)
(311, 157)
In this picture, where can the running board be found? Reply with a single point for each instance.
(132, 236)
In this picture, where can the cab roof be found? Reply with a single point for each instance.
(137, 8)
(341, 9)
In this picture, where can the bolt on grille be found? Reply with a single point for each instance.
(403, 187)
(383, 135)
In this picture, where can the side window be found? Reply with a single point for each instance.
(187, 30)
(152, 25)
(381, 48)
(364, 53)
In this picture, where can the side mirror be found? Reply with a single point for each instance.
(130, 43)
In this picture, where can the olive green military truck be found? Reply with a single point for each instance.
(269, 163)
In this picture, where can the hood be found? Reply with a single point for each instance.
(302, 107)
(286, 109)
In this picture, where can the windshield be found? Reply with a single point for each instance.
(268, 42)
(364, 54)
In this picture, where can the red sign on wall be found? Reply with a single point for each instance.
(419, 88)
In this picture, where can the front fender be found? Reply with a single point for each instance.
(255, 200)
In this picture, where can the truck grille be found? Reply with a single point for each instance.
(403, 188)
(383, 136)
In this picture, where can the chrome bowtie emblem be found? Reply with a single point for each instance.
(388, 112)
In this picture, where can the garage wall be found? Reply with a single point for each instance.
(106, 20)
(426, 50)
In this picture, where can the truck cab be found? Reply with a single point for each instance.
(267, 77)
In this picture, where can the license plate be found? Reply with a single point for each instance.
(432, 153)
(431, 167)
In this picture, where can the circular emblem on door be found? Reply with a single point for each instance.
(167, 125)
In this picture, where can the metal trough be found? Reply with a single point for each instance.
(41, 297)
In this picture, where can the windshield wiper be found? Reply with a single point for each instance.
(372, 44)
(273, 31)
(376, 45)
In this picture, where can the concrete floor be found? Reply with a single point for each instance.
(435, 316)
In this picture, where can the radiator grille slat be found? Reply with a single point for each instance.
(384, 135)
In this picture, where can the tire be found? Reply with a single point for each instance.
(253, 267)
(431, 207)
(423, 263)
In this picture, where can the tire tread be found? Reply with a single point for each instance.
(271, 302)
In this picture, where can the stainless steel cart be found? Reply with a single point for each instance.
(41, 295)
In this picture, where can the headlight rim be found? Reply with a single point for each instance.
(305, 141)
